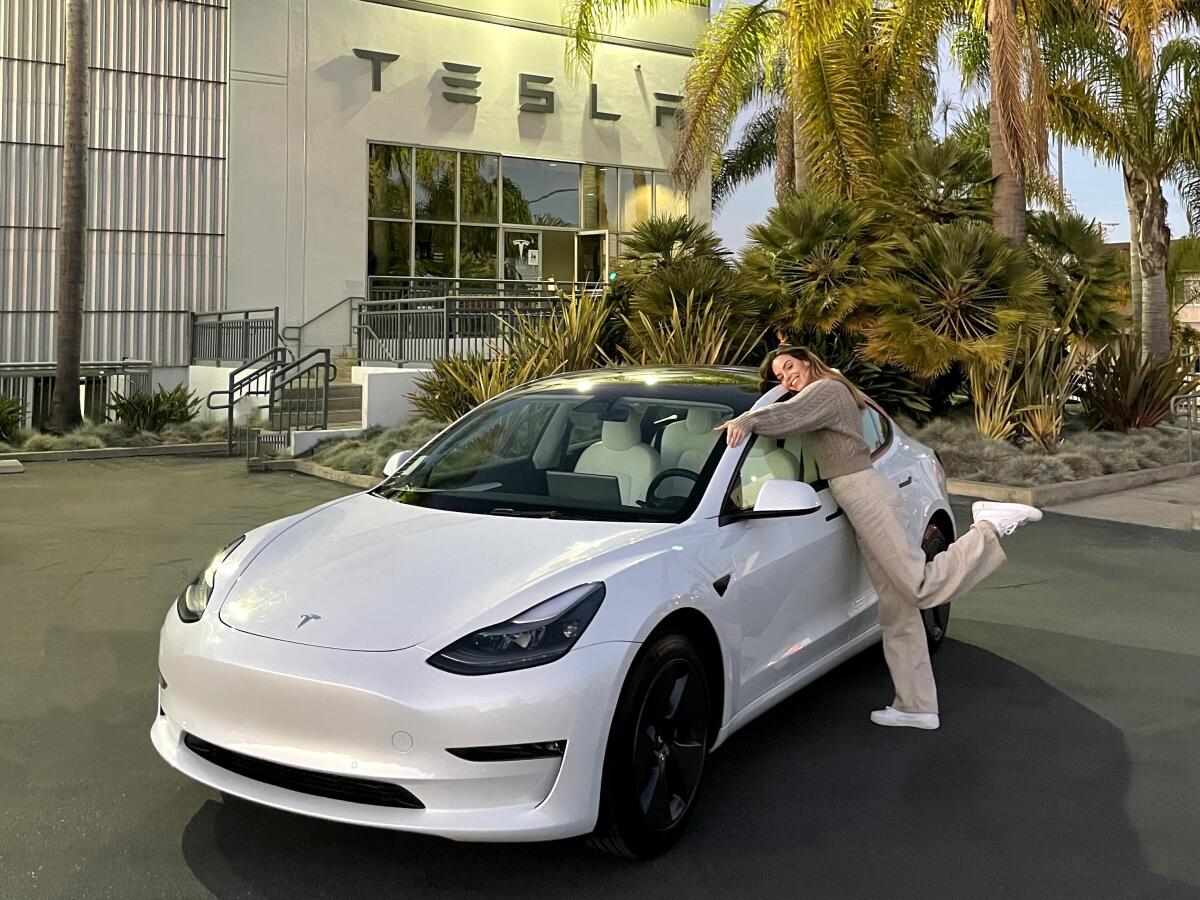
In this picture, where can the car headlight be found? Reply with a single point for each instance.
(537, 636)
(193, 600)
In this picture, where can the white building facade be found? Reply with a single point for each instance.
(293, 153)
(372, 141)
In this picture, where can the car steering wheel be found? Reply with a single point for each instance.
(664, 475)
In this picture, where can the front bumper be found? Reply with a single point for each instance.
(391, 717)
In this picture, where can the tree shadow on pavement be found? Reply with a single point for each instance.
(1021, 793)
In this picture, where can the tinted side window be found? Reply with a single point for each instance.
(876, 429)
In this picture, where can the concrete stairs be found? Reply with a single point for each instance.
(345, 404)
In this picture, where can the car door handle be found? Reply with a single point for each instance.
(906, 482)
(833, 515)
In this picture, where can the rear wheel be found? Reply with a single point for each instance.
(656, 751)
(937, 618)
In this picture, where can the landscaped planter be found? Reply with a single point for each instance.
(1045, 495)
(211, 448)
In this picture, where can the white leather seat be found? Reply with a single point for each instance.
(620, 452)
(765, 462)
(686, 445)
(797, 446)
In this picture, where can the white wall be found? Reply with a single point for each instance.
(205, 379)
(302, 113)
(385, 393)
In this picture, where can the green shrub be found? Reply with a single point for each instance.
(39, 443)
(153, 412)
(12, 414)
(1123, 391)
(367, 453)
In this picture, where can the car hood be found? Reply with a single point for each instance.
(367, 573)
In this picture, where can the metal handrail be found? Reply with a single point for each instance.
(220, 322)
(287, 376)
(1190, 402)
(243, 379)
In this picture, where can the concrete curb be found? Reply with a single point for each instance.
(1064, 492)
(10, 467)
(207, 449)
(307, 467)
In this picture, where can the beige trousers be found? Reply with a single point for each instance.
(905, 583)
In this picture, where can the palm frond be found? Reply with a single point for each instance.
(837, 126)
(731, 57)
(752, 155)
(587, 20)
(1006, 62)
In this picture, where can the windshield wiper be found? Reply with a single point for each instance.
(526, 513)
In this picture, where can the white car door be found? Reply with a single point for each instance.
(789, 581)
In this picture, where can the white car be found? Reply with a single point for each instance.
(540, 625)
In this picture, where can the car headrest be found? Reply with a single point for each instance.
(620, 435)
(763, 446)
(701, 420)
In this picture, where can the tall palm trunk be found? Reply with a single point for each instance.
(799, 158)
(1134, 200)
(1155, 239)
(785, 160)
(72, 223)
(1008, 199)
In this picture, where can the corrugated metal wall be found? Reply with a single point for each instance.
(156, 169)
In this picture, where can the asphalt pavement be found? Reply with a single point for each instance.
(1068, 762)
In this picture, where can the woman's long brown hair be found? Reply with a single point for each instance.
(768, 380)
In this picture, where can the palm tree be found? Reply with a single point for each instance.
(1151, 127)
(818, 118)
(72, 245)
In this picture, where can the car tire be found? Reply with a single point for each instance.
(937, 618)
(657, 748)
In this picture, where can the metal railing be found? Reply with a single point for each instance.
(429, 328)
(234, 336)
(398, 287)
(253, 379)
(1187, 406)
(295, 333)
(32, 385)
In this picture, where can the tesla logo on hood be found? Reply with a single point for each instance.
(306, 618)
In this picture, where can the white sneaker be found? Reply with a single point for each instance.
(1006, 517)
(898, 718)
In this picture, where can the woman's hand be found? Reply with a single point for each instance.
(734, 434)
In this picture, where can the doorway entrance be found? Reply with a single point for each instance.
(592, 257)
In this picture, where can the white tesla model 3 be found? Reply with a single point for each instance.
(540, 624)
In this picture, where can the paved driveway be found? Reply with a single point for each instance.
(1067, 764)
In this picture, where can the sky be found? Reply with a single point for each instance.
(1094, 187)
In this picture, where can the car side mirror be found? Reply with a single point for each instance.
(395, 461)
(783, 496)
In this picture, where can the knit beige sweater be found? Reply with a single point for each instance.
(827, 413)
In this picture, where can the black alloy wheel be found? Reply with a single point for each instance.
(656, 751)
(937, 618)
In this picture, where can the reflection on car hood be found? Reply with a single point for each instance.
(369, 574)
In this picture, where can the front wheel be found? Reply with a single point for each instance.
(656, 751)
(937, 618)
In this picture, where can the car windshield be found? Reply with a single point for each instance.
(620, 445)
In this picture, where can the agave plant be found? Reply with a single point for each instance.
(12, 414)
(569, 339)
(957, 294)
(695, 332)
(1123, 391)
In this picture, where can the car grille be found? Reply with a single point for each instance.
(305, 781)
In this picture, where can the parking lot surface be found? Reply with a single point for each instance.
(1067, 763)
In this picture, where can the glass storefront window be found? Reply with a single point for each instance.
(389, 177)
(541, 193)
(522, 255)
(387, 248)
(636, 197)
(668, 199)
(477, 252)
(479, 179)
(599, 187)
(434, 245)
(434, 184)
